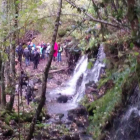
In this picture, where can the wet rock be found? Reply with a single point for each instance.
(47, 116)
(62, 99)
(60, 115)
(91, 88)
(80, 111)
(79, 123)
(68, 122)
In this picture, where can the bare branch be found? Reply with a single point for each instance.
(92, 18)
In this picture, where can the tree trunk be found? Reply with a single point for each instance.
(131, 14)
(45, 76)
(0, 77)
(3, 96)
(12, 59)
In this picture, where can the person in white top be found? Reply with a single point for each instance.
(48, 49)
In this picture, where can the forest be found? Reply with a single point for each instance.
(69, 70)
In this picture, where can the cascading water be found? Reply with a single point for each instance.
(91, 75)
(81, 75)
(128, 126)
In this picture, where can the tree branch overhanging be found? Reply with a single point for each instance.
(92, 18)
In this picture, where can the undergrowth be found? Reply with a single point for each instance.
(103, 108)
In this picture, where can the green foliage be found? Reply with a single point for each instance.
(104, 107)
(90, 65)
(62, 33)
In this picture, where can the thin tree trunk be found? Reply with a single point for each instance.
(45, 76)
(132, 16)
(0, 77)
(3, 96)
(12, 60)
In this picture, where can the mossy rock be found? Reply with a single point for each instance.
(68, 29)
(62, 32)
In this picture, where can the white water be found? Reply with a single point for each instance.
(91, 75)
(75, 87)
(85, 74)
(70, 86)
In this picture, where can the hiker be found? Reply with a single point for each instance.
(32, 54)
(48, 50)
(66, 48)
(20, 53)
(60, 50)
(55, 51)
(22, 81)
(29, 94)
(30, 49)
(36, 58)
(43, 46)
(26, 54)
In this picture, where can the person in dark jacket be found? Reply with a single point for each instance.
(44, 46)
(26, 54)
(22, 81)
(36, 58)
(20, 53)
(29, 94)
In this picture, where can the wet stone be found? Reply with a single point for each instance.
(62, 99)
(60, 115)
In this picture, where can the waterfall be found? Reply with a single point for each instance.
(75, 87)
(69, 88)
(83, 76)
(91, 75)
(127, 127)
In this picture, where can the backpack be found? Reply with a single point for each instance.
(61, 49)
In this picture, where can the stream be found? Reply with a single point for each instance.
(74, 89)
(127, 125)
(64, 100)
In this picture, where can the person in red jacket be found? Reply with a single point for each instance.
(55, 51)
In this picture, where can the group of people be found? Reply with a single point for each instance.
(35, 53)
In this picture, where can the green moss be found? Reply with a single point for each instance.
(62, 32)
(103, 108)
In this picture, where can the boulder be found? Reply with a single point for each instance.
(47, 116)
(80, 111)
(61, 115)
(62, 99)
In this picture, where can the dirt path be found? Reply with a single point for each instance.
(58, 76)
